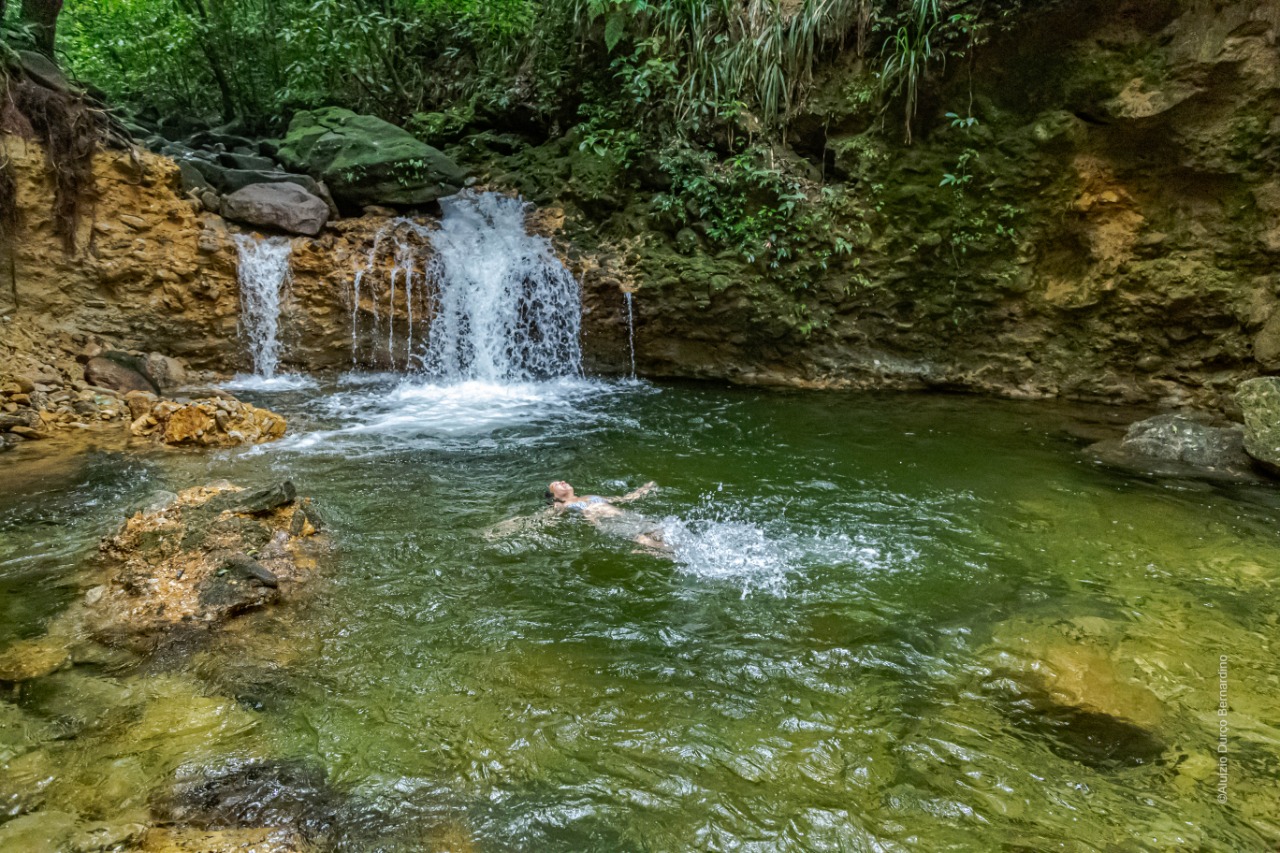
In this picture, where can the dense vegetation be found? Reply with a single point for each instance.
(691, 65)
(698, 92)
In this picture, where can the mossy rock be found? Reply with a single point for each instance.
(365, 160)
(1259, 400)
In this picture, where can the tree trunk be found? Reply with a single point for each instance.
(42, 15)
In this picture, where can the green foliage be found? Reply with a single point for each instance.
(750, 204)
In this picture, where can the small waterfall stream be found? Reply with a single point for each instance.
(631, 329)
(263, 271)
(399, 259)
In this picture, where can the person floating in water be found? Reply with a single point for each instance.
(605, 514)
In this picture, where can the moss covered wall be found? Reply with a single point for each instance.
(1111, 229)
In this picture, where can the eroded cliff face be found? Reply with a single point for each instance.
(151, 272)
(1110, 230)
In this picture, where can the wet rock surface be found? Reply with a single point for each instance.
(215, 422)
(1259, 400)
(200, 559)
(281, 794)
(1179, 446)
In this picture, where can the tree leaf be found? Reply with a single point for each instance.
(614, 29)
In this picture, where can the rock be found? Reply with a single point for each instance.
(29, 659)
(25, 384)
(365, 160)
(186, 564)
(263, 500)
(118, 371)
(208, 423)
(227, 181)
(241, 567)
(192, 178)
(281, 206)
(244, 840)
(41, 832)
(1177, 445)
(284, 794)
(20, 418)
(140, 403)
(247, 162)
(1259, 400)
(1177, 438)
(164, 371)
(27, 433)
(1075, 691)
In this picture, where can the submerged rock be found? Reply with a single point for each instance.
(365, 160)
(284, 207)
(1178, 445)
(248, 840)
(216, 422)
(279, 794)
(1072, 690)
(29, 659)
(200, 560)
(1259, 400)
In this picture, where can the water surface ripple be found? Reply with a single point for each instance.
(840, 656)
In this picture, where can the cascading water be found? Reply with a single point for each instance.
(631, 330)
(503, 306)
(262, 273)
(398, 260)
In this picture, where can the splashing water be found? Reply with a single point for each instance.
(631, 330)
(503, 306)
(262, 272)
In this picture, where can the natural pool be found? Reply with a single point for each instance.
(892, 622)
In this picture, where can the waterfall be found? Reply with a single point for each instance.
(500, 305)
(631, 330)
(503, 306)
(263, 271)
(398, 260)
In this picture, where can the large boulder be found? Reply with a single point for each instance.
(119, 371)
(365, 160)
(199, 558)
(1259, 400)
(285, 207)
(1177, 445)
(227, 180)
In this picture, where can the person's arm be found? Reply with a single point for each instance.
(636, 494)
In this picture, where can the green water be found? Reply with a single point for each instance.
(836, 659)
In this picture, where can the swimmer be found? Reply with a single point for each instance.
(605, 514)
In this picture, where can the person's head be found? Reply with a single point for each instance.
(560, 491)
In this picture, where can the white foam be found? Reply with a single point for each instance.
(280, 382)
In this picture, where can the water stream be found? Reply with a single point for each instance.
(263, 273)
(504, 307)
(631, 330)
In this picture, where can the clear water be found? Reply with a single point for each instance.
(823, 666)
